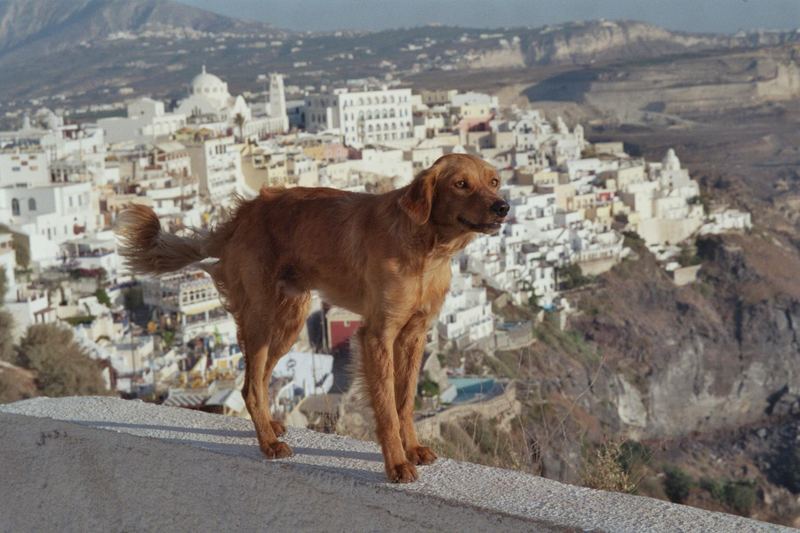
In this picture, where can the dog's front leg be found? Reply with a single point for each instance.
(408, 349)
(377, 360)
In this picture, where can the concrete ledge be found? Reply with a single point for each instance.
(87, 464)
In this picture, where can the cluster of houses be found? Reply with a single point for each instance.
(62, 187)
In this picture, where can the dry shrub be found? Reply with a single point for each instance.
(603, 469)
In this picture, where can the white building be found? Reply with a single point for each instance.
(277, 102)
(304, 374)
(209, 97)
(727, 220)
(130, 357)
(474, 98)
(189, 299)
(210, 104)
(362, 117)
(8, 263)
(49, 215)
(302, 170)
(24, 166)
(29, 307)
(146, 120)
(217, 163)
(165, 178)
(93, 253)
(466, 314)
(80, 147)
(390, 163)
(665, 204)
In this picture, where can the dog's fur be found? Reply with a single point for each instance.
(385, 257)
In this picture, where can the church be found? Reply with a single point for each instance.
(211, 105)
(208, 105)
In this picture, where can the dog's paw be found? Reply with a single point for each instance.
(420, 455)
(276, 450)
(277, 427)
(402, 473)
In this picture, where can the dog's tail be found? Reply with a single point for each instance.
(149, 250)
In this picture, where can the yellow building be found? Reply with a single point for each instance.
(261, 167)
(474, 110)
(629, 176)
(441, 97)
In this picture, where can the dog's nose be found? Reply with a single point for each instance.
(500, 207)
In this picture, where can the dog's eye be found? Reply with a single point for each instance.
(495, 182)
(461, 184)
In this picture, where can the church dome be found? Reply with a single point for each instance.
(209, 85)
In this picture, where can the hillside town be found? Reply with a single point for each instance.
(576, 206)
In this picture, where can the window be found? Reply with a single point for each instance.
(15, 207)
(31, 204)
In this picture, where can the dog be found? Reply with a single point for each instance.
(385, 257)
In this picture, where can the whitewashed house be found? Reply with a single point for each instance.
(466, 313)
(217, 163)
(362, 117)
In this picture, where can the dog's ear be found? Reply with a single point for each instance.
(417, 201)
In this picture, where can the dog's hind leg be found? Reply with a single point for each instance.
(289, 319)
(408, 350)
(256, 339)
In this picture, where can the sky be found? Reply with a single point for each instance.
(723, 16)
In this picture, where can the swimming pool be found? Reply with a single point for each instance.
(472, 389)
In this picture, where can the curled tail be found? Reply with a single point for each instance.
(149, 250)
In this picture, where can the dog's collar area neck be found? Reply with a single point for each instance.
(493, 226)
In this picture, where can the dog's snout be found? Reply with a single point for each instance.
(500, 208)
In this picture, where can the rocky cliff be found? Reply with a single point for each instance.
(597, 41)
(718, 354)
(703, 377)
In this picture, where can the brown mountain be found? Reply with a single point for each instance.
(52, 25)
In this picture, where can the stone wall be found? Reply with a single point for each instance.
(104, 464)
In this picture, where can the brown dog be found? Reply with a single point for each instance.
(385, 257)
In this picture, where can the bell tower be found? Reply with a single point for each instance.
(277, 99)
